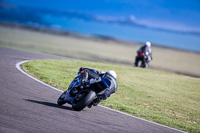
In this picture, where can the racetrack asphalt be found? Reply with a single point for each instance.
(27, 106)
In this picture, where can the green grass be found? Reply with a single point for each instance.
(165, 98)
(100, 51)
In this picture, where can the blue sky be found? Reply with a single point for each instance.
(170, 14)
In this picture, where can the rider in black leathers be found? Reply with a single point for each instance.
(147, 50)
(104, 82)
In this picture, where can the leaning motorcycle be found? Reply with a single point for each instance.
(142, 60)
(82, 96)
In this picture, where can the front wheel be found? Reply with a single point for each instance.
(146, 65)
(80, 105)
(61, 99)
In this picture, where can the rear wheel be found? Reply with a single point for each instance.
(139, 63)
(85, 101)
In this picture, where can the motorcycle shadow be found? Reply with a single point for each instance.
(49, 104)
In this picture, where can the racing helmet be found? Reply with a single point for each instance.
(148, 44)
(113, 73)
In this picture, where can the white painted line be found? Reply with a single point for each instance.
(18, 66)
(141, 119)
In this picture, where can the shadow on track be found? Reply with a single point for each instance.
(49, 104)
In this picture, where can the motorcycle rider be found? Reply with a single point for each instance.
(147, 50)
(104, 82)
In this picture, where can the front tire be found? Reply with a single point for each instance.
(61, 99)
(146, 65)
(84, 102)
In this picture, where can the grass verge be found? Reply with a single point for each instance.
(98, 50)
(158, 96)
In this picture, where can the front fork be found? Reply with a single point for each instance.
(68, 98)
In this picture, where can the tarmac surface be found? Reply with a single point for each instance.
(27, 106)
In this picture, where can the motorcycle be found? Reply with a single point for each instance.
(82, 96)
(142, 60)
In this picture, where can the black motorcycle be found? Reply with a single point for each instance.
(141, 60)
(82, 96)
